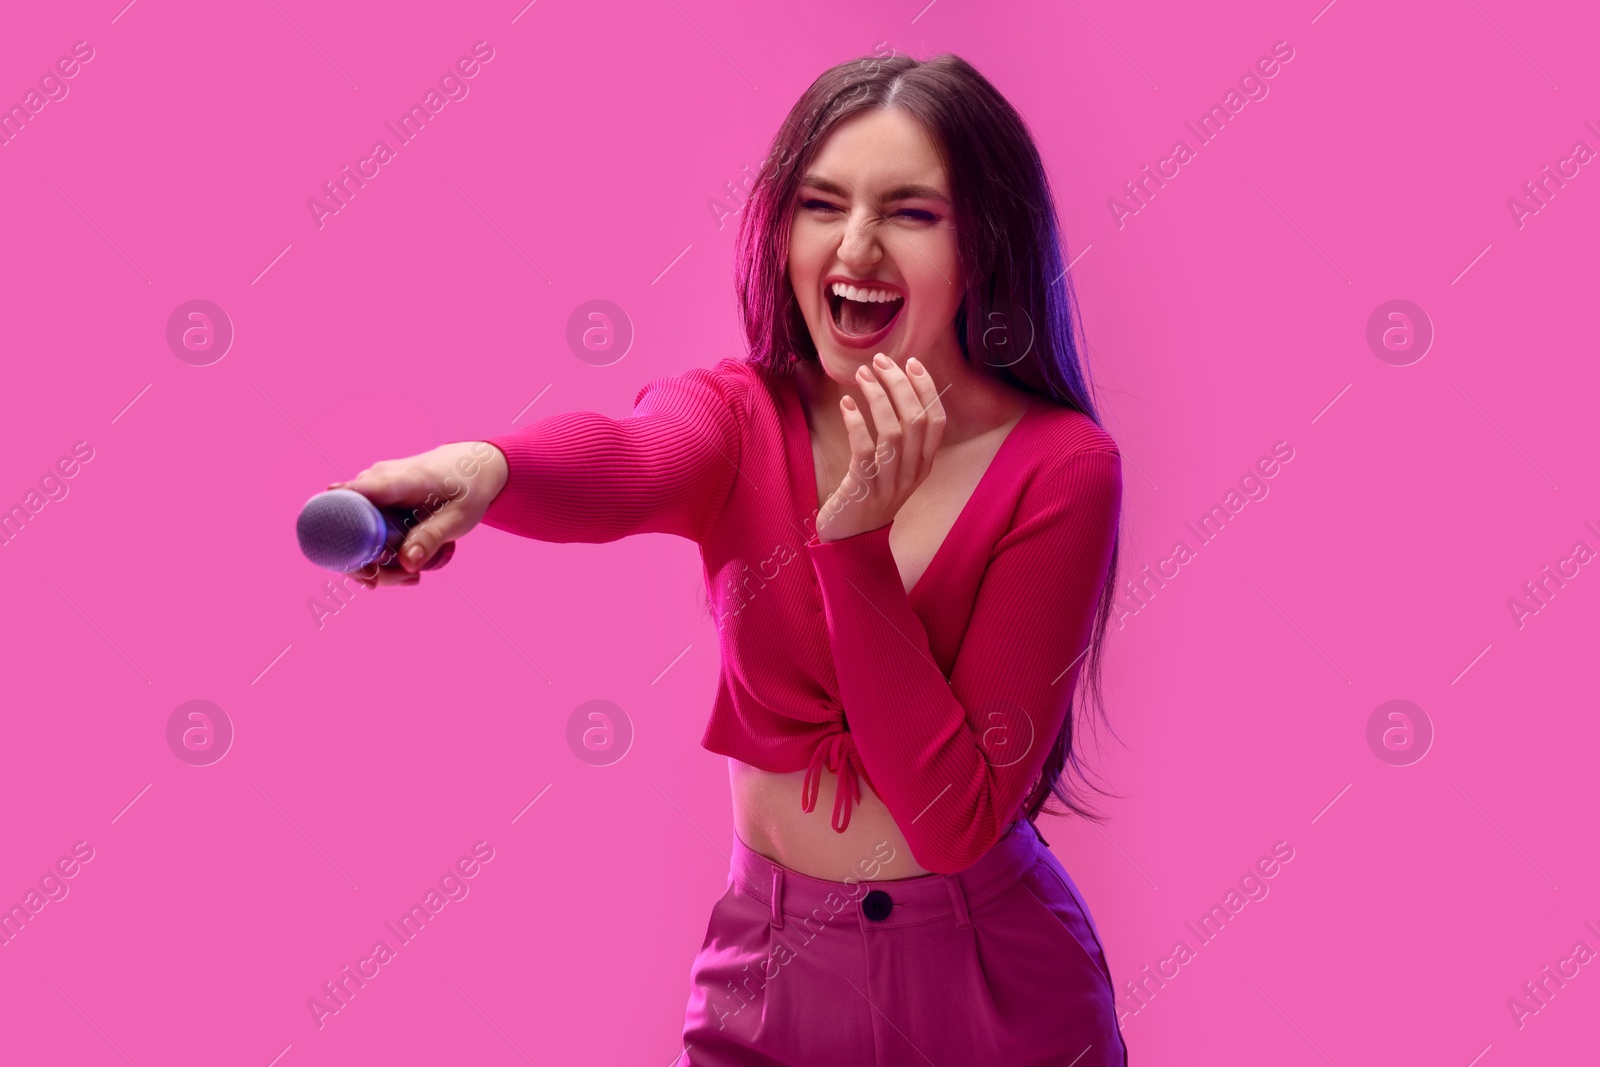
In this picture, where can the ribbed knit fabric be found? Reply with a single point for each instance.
(944, 700)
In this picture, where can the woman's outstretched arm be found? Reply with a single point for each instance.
(667, 468)
(952, 759)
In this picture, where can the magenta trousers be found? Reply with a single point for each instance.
(997, 965)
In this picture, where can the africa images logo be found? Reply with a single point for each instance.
(453, 86)
(338, 992)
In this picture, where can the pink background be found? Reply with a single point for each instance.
(1228, 314)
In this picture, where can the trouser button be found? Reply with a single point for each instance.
(877, 905)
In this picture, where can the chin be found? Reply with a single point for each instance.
(840, 362)
(841, 366)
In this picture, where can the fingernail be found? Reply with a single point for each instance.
(883, 361)
(414, 554)
(914, 365)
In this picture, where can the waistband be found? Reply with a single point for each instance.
(795, 897)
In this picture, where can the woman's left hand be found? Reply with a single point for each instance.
(884, 472)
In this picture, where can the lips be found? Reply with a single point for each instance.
(859, 323)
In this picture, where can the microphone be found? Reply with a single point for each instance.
(341, 530)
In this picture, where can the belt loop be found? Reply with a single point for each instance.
(777, 897)
(958, 900)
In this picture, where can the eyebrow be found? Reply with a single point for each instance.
(904, 192)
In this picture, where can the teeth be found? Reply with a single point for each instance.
(865, 296)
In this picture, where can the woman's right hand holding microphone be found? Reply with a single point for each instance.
(448, 488)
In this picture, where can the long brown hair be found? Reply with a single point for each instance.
(1012, 266)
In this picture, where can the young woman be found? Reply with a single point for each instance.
(907, 511)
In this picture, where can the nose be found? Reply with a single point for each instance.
(859, 248)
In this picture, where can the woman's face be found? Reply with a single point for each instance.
(874, 209)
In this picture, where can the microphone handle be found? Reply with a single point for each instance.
(395, 535)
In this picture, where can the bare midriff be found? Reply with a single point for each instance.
(767, 817)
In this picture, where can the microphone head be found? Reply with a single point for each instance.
(341, 530)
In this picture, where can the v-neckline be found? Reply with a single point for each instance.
(808, 464)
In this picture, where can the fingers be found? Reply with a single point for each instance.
(907, 400)
(428, 498)
(856, 480)
(385, 483)
(932, 408)
(427, 533)
(425, 539)
(373, 576)
(910, 405)
(885, 422)
(391, 481)
(897, 412)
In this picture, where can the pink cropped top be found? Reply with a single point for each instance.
(943, 700)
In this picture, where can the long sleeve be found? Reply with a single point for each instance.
(667, 468)
(952, 759)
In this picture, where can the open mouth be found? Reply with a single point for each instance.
(862, 317)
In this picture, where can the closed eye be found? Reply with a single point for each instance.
(916, 214)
